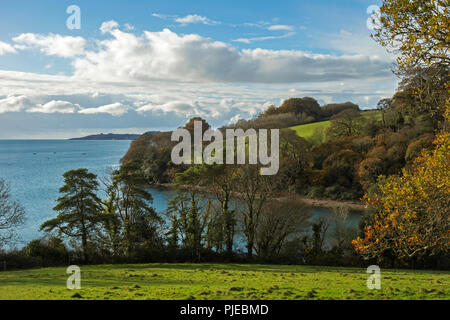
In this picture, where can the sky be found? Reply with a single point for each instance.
(135, 66)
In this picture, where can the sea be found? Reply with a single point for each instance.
(34, 171)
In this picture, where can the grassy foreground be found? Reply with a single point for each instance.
(222, 281)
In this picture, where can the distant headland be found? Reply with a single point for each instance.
(112, 136)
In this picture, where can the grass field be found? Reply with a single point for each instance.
(310, 129)
(221, 281)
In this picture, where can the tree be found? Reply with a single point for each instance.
(110, 237)
(152, 152)
(280, 220)
(254, 190)
(52, 251)
(331, 109)
(12, 214)
(221, 178)
(133, 205)
(383, 105)
(413, 216)
(419, 30)
(346, 123)
(193, 215)
(79, 208)
(423, 92)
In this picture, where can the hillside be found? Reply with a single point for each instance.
(222, 281)
(309, 130)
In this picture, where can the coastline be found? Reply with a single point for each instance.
(313, 202)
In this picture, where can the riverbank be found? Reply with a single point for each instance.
(320, 203)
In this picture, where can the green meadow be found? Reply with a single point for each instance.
(310, 130)
(221, 281)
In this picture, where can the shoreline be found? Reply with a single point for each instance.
(313, 202)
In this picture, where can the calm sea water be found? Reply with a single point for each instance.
(34, 170)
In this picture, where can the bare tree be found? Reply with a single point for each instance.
(254, 190)
(12, 215)
(280, 220)
(343, 233)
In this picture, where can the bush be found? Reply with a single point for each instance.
(51, 252)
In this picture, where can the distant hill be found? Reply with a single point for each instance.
(112, 136)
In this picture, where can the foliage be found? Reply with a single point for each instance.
(418, 29)
(413, 216)
(346, 123)
(50, 251)
(132, 206)
(78, 207)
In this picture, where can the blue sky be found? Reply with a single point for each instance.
(136, 65)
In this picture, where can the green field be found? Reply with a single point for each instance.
(222, 281)
(310, 129)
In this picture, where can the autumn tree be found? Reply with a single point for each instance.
(413, 216)
(418, 30)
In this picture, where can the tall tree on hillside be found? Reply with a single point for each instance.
(79, 208)
(12, 214)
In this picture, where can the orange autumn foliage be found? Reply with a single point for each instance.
(413, 210)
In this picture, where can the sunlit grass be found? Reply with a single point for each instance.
(222, 281)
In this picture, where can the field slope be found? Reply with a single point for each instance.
(221, 281)
(309, 130)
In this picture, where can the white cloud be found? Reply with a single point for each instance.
(195, 18)
(180, 107)
(159, 79)
(164, 16)
(108, 26)
(52, 44)
(168, 56)
(14, 103)
(115, 109)
(6, 48)
(128, 27)
(250, 40)
(55, 106)
(235, 119)
(278, 27)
